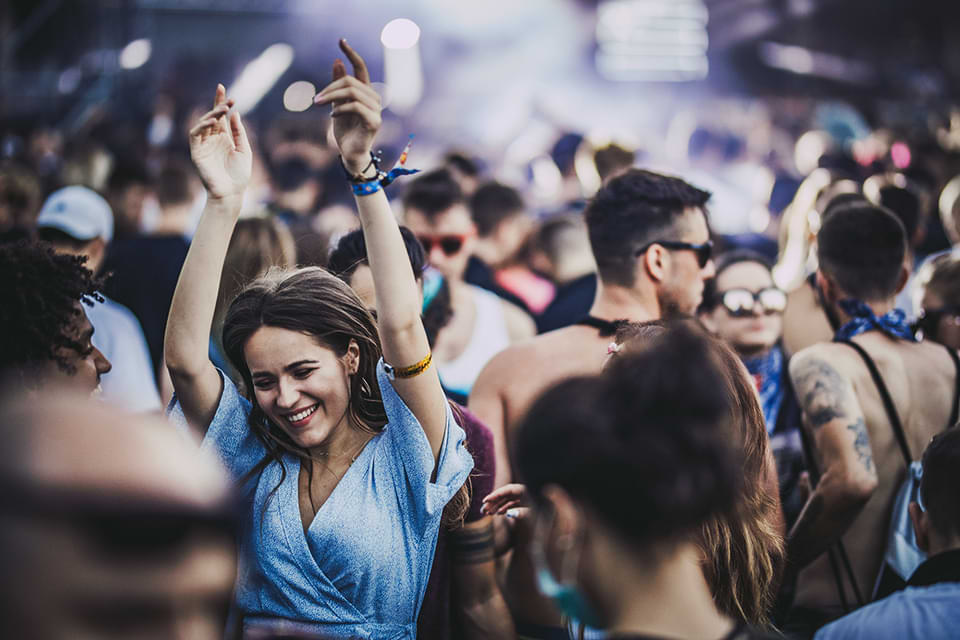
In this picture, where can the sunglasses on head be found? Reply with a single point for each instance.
(743, 302)
(704, 250)
(450, 243)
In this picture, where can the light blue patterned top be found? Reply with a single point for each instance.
(362, 568)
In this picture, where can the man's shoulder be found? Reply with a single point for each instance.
(886, 618)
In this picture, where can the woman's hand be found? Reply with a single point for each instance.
(356, 110)
(509, 500)
(220, 150)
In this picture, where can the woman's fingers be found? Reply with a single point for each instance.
(346, 82)
(339, 71)
(369, 115)
(345, 96)
(359, 66)
(240, 141)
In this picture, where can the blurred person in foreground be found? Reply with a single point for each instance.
(939, 282)
(46, 335)
(927, 607)
(463, 599)
(652, 246)
(77, 221)
(857, 457)
(483, 324)
(744, 308)
(503, 229)
(111, 526)
(651, 433)
(343, 443)
(145, 266)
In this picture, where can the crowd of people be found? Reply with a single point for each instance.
(238, 406)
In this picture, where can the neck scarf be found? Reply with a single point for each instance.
(767, 372)
(862, 319)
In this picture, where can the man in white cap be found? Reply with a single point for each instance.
(78, 221)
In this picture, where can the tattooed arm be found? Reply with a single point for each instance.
(832, 415)
(478, 604)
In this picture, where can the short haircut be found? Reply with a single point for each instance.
(861, 247)
(462, 163)
(40, 290)
(351, 252)
(561, 237)
(645, 445)
(634, 209)
(173, 183)
(723, 262)
(492, 203)
(941, 477)
(611, 159)
(433, 193)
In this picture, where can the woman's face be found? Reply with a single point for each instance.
(302, 386)
(753, 332)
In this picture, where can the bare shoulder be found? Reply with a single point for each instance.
(828, 358)
(519, 323)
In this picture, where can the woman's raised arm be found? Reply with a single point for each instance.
(221, 152)
(356, 114)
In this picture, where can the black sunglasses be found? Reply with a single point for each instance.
(743, 302)
(704, 250)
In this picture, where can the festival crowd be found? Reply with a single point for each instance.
(246, 395)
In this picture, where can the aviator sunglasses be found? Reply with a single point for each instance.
(704, 250)
(743, 302)
(450, 243)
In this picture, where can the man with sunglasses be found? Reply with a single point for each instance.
(650, 240)
(483, 324)
(742, 306)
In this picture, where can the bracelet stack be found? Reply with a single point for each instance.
(363, 186)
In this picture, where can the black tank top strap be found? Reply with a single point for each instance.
(891, 409)
(605, 327)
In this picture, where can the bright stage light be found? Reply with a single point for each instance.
(135, 54)
(299, 96)
(401, 33)
(259, 76)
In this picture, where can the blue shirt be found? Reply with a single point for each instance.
(928, 609)
(361, 569)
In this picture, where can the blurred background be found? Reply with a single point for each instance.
(747, 98)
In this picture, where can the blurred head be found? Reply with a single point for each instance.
(940, 304)
(127, 191)
(307, 350)
(560, 249)
(464, 170)
(891, 192)
(111, 526)
(937, 523)
(742, 548)
(46, 339)
(177, 184)
(437, 213)
(502, 224)
(861, 251)
(649, 227)
(20, 198)
(629, 464)
(349, 262)
(612, 160)
(77, 221)
(742, 306)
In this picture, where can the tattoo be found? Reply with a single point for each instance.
(472, 545)
(861, 443)
(821, 391)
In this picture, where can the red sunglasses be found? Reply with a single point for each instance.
(450, 243)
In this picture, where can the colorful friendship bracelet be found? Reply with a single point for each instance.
(364, 187)
(408, 372)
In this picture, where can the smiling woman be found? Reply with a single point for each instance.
(341, 465)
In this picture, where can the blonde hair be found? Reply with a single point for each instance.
(743, 550)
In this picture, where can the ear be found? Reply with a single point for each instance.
(567, 519)
(828, 287)
(352, 358)
(903, 277)
(656, 262)
(95, 250)
(921, 526)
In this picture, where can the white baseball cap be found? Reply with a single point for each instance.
(79, 212)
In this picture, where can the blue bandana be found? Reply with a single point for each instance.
(767, 372)
(862, 319)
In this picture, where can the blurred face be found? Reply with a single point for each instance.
(944, 320)
(362, 284)
(448, 238)
(747, 331)
(302, 386)
(89, 363)
(681, 289)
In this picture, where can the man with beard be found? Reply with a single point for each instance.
(649, 236)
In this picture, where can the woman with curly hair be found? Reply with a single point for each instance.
(46, 336)
(345, 448)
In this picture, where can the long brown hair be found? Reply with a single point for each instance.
(743, 550)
